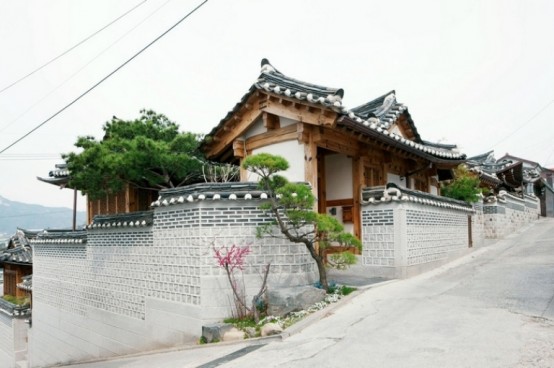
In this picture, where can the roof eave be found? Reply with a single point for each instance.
(349, 123)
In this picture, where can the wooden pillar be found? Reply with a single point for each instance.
(310, 159)
(357, 185)
(74, 209)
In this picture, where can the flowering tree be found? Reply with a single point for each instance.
(232, 259)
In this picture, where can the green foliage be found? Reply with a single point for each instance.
(241, 323)
(21, 301)
(346, 290)
(342, 260)
(148, 152)
(265, 164)
(348, 240)
(464, 187)
(292, 206)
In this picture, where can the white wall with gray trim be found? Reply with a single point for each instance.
(130, 289)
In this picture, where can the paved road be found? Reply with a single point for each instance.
(493, 308)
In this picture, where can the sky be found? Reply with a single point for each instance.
(477, 73)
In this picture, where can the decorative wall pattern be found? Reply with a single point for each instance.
(425, 244)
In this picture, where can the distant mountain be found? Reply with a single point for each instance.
(33, 216)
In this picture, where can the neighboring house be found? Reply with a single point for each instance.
(130, 199)
(537, 180)
(337, 150)
(516, 176)
(17, 261)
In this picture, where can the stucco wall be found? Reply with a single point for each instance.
(401, 239)
(503, 217)
(478, 225)
(7, 355)
(130, 289)
(293, 152)
(338, 176)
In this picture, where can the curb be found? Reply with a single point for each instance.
(327, 311)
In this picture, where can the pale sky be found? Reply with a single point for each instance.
(476, 73)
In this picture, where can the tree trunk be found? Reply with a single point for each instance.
(322, 272)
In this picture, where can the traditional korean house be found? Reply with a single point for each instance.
(536, 180)
(17, 261)
(130, 199)
(337, 150)
(517, 176)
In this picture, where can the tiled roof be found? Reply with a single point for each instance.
(273, 81)
(384, 109)
(59, 176)
(19, 247)
(21, 254)
(61, 236)
(382, 194)
(132, 219)
(26, 283)
(210, 191)
(14, 310)
(378, 115)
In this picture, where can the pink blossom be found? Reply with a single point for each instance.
(232, 258)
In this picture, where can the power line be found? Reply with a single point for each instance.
(71, 48)
(82, 68)
(524, 124)
(31, 157)
(103, 79)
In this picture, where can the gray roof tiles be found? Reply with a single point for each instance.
(379, 114)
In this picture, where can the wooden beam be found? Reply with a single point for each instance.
(242, 121)
(271, 121)
(340, 202)
(287, 133)
(300, 112)
(238, 148)
(336, 141)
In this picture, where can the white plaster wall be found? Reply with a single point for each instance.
(404, 239)
(7, 355)
(256, 128)
(130, 290)
(503, 218)
(433, 190)
(286, 121)
(293, 152)
(338, 176)
(395, 179)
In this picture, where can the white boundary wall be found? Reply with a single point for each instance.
(402, 239)
(131, 289)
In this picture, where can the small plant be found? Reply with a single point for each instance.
(342, 260)
(346, 290)
(464, 187)
(292, 206)
(21, 301)
(234, 258)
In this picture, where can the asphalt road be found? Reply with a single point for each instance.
(493, 308)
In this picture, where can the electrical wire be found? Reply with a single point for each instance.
(103, 79)
(30, 157)
(82, 68)
(525, 123)
(71, 48)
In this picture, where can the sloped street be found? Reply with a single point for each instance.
(493, 308)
